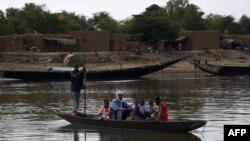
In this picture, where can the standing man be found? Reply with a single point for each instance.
(77, 84)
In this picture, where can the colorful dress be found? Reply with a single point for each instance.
(164, 111)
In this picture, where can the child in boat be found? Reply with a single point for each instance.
(143, 110)
(105, 110)
(153, 111)
(135, 110)
(163, 110)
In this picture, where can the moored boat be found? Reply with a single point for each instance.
(64, 74)
(224, 69)
(166, 126)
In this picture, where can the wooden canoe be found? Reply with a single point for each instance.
(169, 126)
(224, 70)
(129, 135)
(123, 73)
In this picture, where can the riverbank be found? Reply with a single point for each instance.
(42, 61)
(29, 61)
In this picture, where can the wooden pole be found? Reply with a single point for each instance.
(85, 81)
(162, 71)
(85, 89)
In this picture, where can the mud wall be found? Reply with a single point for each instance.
(118, 42)
(92, 40)
(11, 43)
(200, 40)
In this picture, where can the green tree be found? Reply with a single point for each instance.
(192, 18)
(15, 21)
(103, 21)
(185, 16)
(225, 24)
(126, 26)
(35, 18)
(3, 22)
(66, 22)
(173, 4)
(153, 25)
(30, 19)
(244, 24)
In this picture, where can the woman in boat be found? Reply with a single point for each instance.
(120, 108)
(76, 85)
(163, 110)
(105, 110)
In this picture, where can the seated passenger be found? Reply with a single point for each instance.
(163, 110)
(120, 108)
(135, 110)
(105, 110)
(143, 110)
(153, 111)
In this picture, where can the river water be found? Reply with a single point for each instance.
(26, 108)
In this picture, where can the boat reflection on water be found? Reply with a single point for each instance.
(90, 133)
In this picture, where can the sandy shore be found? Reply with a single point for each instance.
(104, 60)
(30, 61)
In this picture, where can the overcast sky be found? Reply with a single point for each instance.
(121, 9)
